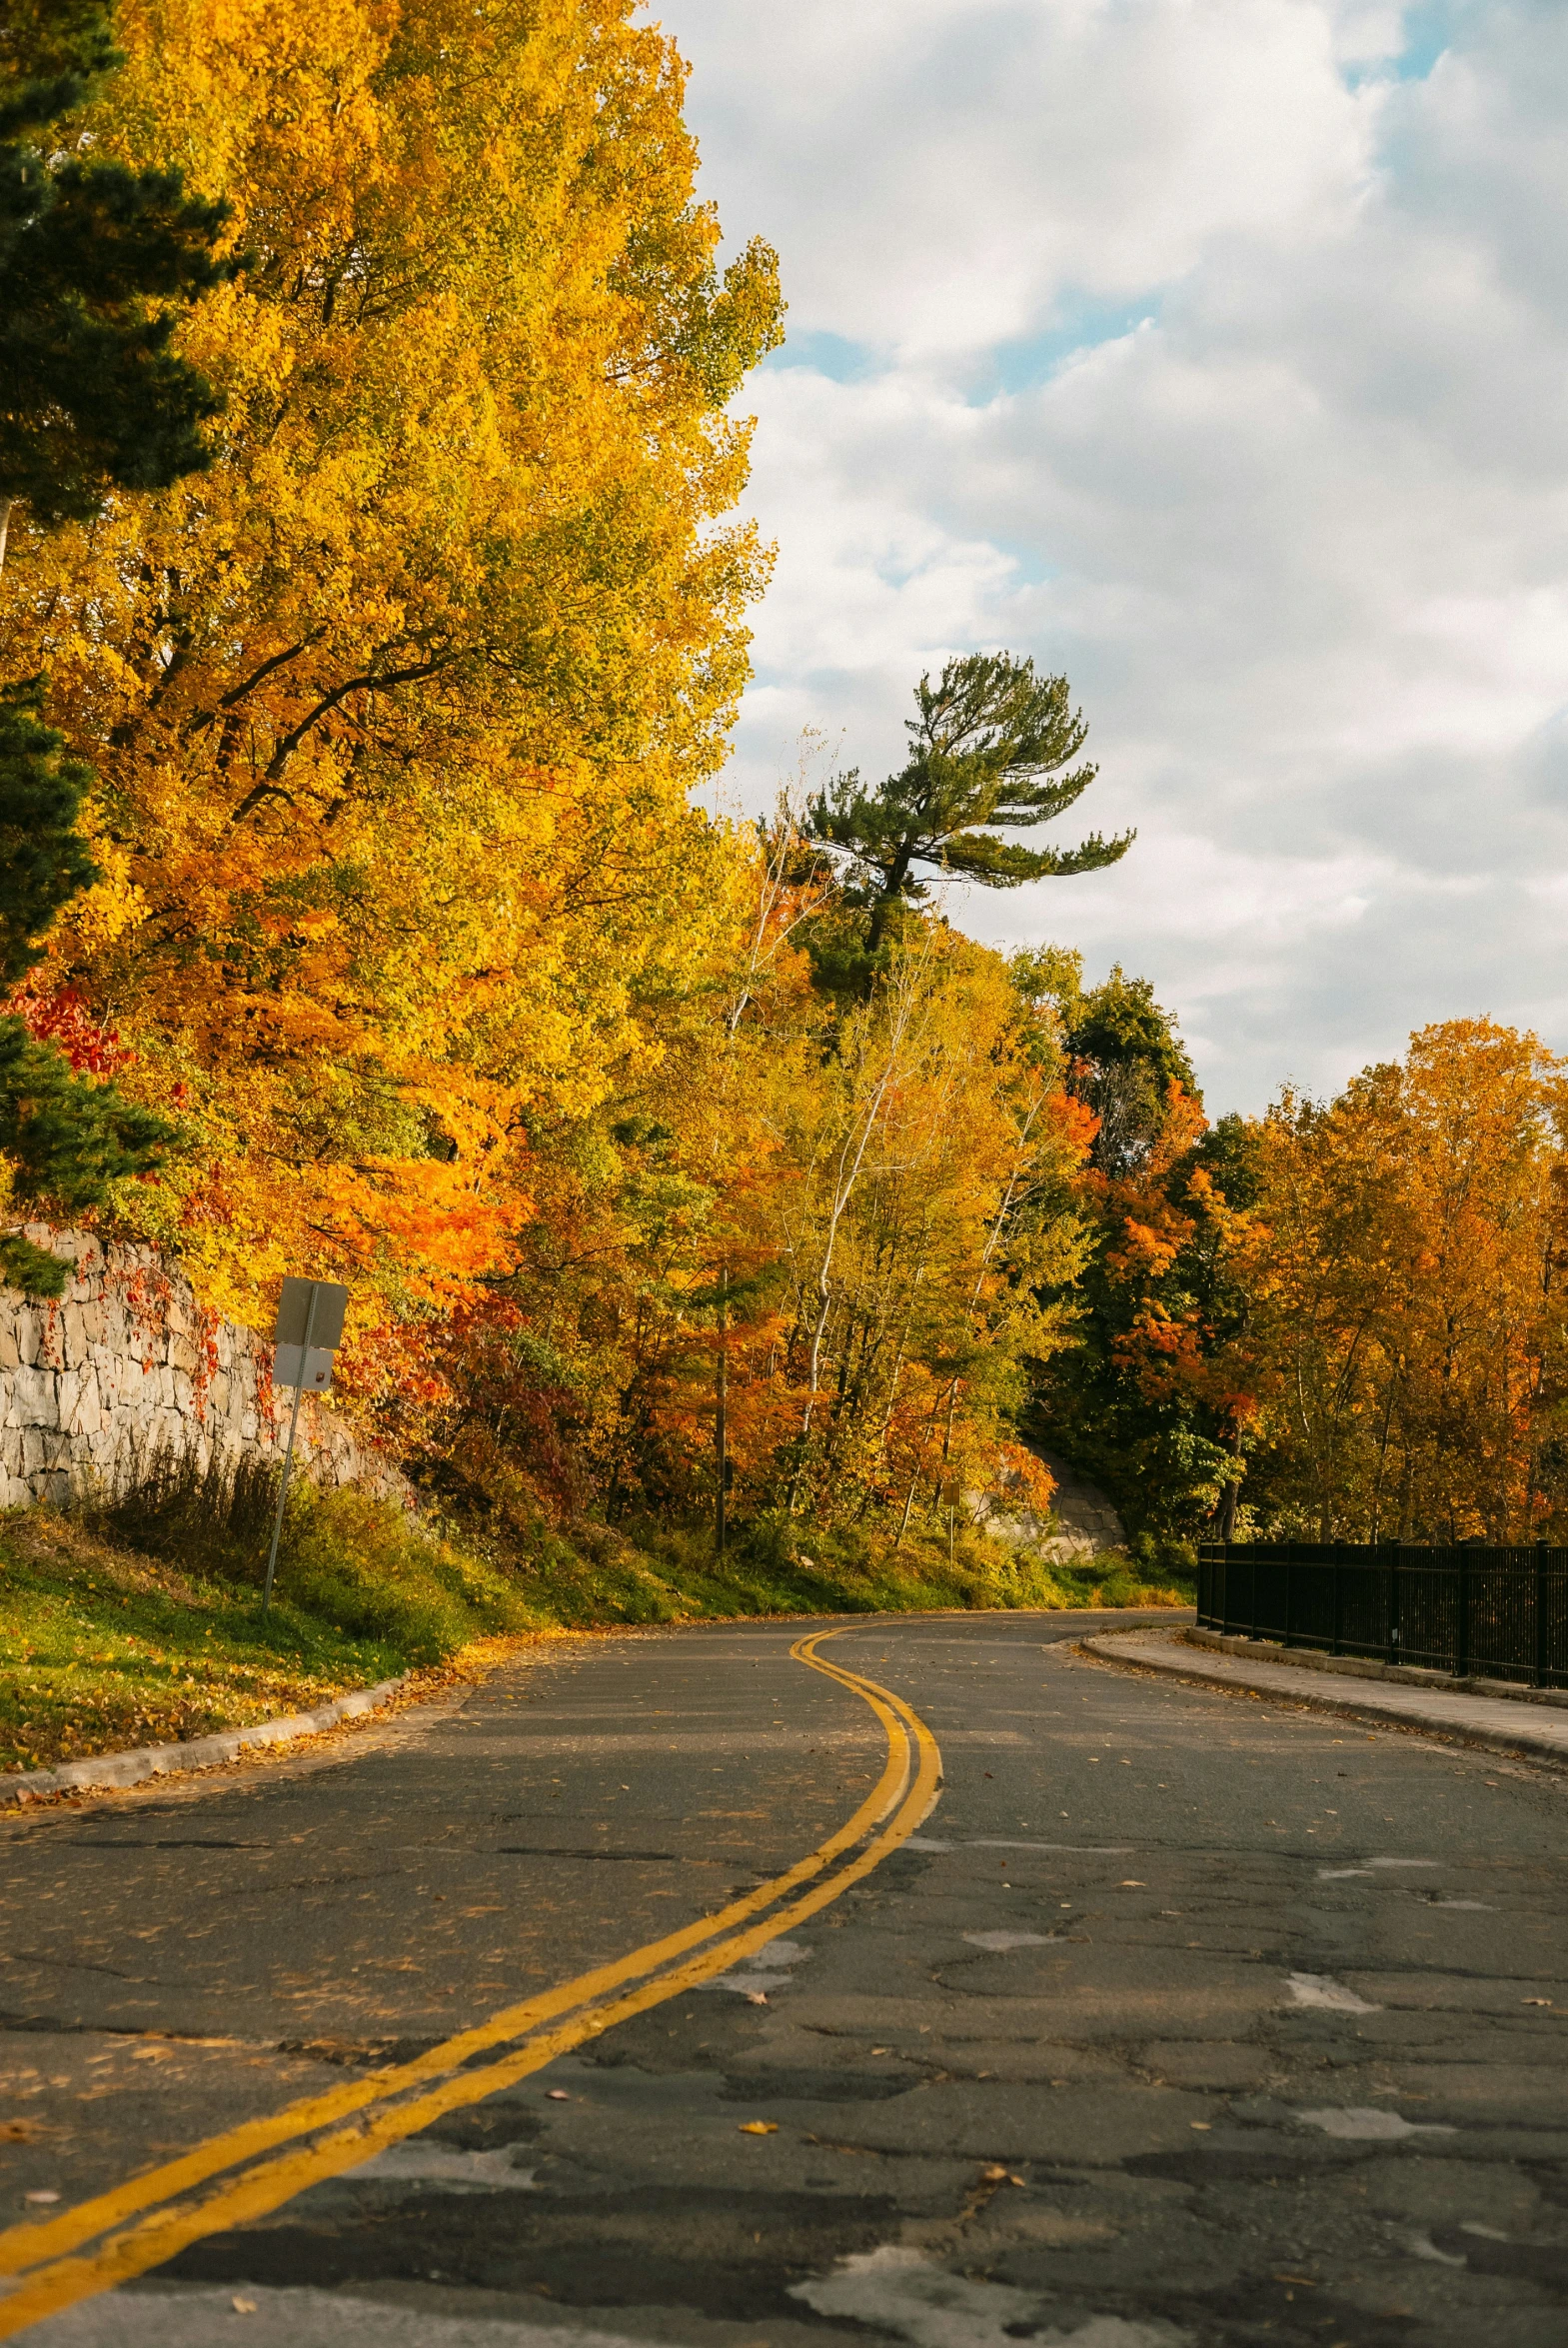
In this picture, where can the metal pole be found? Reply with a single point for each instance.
(720, 1399)
(288, 1449)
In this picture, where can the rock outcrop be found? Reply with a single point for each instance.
(1083, 1521)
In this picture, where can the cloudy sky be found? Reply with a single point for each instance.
(1216, 353)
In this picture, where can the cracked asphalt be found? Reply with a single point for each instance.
(1183, 2019)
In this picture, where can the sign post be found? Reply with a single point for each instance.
(307, 1334)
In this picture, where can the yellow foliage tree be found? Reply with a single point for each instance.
(397, 709)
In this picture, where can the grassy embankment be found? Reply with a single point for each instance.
(139, 1622)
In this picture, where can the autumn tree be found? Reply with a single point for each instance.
(932, 1208)
(989, 744)
(1411, 1305)
(1157, 1397)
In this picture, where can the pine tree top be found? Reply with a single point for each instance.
(991, 742)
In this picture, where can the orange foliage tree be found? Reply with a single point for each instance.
(1413, 1308)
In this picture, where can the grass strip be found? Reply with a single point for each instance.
(138, 1621)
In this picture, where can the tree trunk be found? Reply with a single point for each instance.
(891, 890)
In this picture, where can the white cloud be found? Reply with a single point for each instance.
(942, 174)
(1296, 524)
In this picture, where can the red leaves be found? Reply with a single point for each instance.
(62, 1016)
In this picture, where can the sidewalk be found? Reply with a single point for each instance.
(1502, 1723)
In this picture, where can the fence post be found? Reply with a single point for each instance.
(1541, 1651)
(1339, 1605)
(1391, 1653)
(1462, 1619)
(1290, 1584)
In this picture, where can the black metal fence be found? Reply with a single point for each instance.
(1478, 1612)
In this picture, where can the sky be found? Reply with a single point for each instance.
(1214, 353)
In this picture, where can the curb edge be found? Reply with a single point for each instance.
(1348, 1706)
(203, 1752)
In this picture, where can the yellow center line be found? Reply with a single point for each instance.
(174, 2220)
(24, 2246)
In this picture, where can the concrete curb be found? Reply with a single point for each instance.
(203, 1752)
(1495, 1726)
(1270, 1650)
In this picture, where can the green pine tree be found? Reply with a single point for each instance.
(1126, 1055)
(96, 261)
(67, 1138)
(990, 742)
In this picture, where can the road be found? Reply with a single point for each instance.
(1180, 2019)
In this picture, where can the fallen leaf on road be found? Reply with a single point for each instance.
(1131, 1884)
(244, 2306)
(757, 1997)
(1535, 2001)
(759, 2128)
(557, 2095)
(44, 2193)
(1205, 2125)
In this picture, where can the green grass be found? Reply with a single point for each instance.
(651, 1573)
(138, 1621)
(102, 1646)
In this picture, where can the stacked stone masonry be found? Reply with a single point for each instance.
(127, 1364)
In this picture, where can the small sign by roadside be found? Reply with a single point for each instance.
(305, 1334)
(316, 1305)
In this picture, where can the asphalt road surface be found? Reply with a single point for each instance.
(1180, 2018)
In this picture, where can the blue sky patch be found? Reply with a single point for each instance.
(1429, 29)
(1083, 326)
(831, 355)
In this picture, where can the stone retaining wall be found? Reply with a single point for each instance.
(127, 1363)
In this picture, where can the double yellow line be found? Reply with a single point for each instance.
(254, 2168)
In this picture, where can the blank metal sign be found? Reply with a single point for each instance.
(294, 1308)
